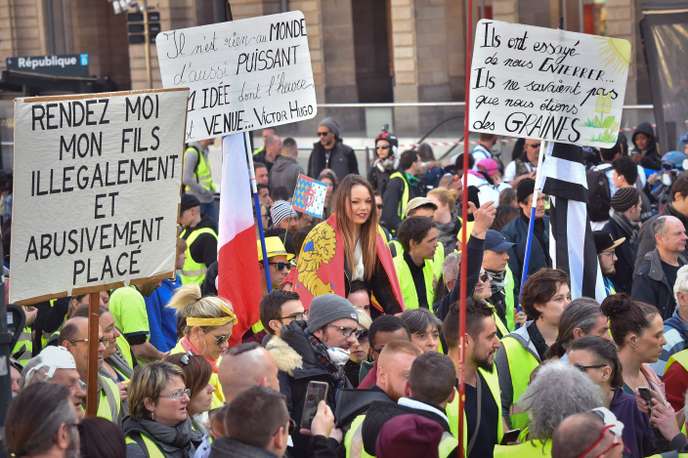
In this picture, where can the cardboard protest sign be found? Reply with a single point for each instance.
(309, 196)
(243, 75)
(548, 84)
(96, 190)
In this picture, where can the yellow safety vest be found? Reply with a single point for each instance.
(407, 285)
(521, 364)
(438, 261)
(24, 346)
(203, 174)
(403, 203)
(353, 440)
(509, 299)
(193, 272)
(452, 409)
(152, 450)
(447, 445)
(109, 402)
(529, 449)
(125, 350)
(681, 358)
(501, 327)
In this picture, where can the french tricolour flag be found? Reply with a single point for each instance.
(571, 246)
(238, 276)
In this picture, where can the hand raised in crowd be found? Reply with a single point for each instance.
(664, 419)
(483, 217)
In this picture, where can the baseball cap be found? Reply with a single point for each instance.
(188, 201)
(418, 202)
(495, 241)
(52, 358)
(604, 241)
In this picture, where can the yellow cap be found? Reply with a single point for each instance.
(274, 247)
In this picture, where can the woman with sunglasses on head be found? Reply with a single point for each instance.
(348, 246)
(197, 372)
(158, 423)
(206, 325)
(597, 358)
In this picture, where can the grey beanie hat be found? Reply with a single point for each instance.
(331, 124)
(328, 308)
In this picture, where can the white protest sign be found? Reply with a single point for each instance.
(547, 84)
(243, 75)
(96, 190)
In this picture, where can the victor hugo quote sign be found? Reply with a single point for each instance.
(548, 84)
(243, 75)
(96, 190)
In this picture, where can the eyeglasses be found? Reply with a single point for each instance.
(281, 265)
(607, 253)
(346, 332)
(362, 335)
(323, 134)
(102, 340)
(294, 316)
(177, 395)
(584, 368)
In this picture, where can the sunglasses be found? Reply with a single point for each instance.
(281, 265)
(185, 359)
(219, 340)
(382, 147)
(362, 335)
(584, 368)
(323, 134)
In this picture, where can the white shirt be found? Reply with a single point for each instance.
(412, 403)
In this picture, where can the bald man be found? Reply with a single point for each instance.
(74, 337)
(245, 366)
(583, 434)
(393, 369)
(655, 274)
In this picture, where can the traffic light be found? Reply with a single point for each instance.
(136, 27)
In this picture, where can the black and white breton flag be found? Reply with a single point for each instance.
(571, 246)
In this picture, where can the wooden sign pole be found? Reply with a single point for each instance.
(93, 344)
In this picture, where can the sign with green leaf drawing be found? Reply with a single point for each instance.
(547, 84)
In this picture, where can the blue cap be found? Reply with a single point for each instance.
(495, 241)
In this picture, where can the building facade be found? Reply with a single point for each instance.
(361, 50)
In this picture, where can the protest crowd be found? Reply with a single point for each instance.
(357, 350)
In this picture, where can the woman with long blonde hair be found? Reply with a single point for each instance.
(206, 325)
(348, 246)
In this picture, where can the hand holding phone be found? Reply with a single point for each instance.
(315, 392)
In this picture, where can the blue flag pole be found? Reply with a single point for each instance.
(531, 221)
(256, 206)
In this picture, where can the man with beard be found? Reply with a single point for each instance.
(41, 421)
(624, 222)
(606, 254)
(482, 407)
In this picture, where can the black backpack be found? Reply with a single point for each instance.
(599, 195)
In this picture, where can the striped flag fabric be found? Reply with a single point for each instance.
(572, 247)
(238, 278)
